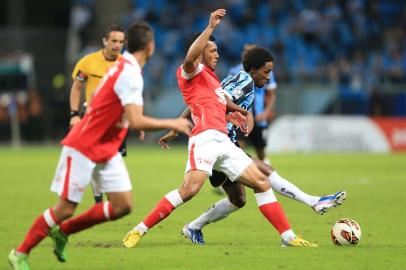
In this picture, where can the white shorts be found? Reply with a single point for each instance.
(213, 149)
(75, 171)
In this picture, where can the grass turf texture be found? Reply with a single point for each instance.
(375, 184)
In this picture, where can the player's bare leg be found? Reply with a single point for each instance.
(41, 227)
(220, 210)
(118, 205)
(270, 207)
(192, 183)
(235, 200)
(260, 151)
(320, 204)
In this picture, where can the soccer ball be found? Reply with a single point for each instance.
(346, 231)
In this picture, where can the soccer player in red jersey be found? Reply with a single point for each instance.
(90, 150)
(209, 146)
(258, 64)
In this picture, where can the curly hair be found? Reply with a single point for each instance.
(256, 58)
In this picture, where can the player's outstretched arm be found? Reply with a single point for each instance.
(169, 136)
(173, 134)
(139, 121)
(232, 107)
(191, 60)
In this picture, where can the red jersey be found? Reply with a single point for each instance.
(103, 128)
(202, 92)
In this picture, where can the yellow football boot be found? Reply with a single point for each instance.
(132, 238)
(298, 242)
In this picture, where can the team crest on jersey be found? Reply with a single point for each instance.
(238, 92)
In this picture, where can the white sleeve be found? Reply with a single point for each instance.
(129, 86)
(188, 76)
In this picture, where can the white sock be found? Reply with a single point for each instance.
(218, 211)
(174, 198)
(141, 227)
(289, 235)
(268, 197)
(286, 188)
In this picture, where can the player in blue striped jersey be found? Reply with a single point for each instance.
(258, 63)
(240, 88)
(262, 110)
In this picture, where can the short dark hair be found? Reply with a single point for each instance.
(113, 28)
(192, 39)
(140, 33)
(256, 58)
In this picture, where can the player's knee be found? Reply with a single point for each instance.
(238, 200)
(63, 213)
(64, 210)
(262, 184)
(188, 193)
(122, 209)
(126, 209)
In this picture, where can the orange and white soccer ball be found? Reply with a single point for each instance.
(346, 231)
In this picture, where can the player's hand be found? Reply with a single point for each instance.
(74, 121)
(141, 135)
(170, 135)
(250, 123)
(237, 119)
(216, 16)
(182, 125)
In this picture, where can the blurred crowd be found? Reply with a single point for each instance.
(356, 43)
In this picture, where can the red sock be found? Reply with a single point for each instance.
(160, 212)
(99, 213)
(38, 231)
(276, 216)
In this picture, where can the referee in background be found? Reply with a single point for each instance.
(87, 74)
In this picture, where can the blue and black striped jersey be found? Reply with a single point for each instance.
(240, 87)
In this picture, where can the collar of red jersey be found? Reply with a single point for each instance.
(128, 56)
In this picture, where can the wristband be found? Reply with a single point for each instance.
(73, 113)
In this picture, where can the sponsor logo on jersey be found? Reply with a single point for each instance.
(221, 95)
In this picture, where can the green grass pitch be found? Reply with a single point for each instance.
(375, 184)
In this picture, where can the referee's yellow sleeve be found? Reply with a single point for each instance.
(80, 72)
